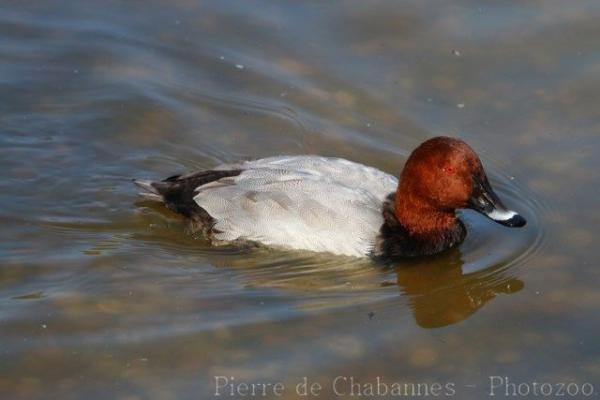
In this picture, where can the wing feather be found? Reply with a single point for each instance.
(303, 202)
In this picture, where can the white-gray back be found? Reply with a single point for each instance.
(302, 202)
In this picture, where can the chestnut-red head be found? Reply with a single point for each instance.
(440, 176)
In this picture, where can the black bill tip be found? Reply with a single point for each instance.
(516, 221)
(484, 200)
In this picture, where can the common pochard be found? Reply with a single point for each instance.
(334, 205)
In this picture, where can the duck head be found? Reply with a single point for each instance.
(442, 175)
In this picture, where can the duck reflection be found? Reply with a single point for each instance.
(437, 290)
(440, 294)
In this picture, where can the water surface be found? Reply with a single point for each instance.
(106, 296)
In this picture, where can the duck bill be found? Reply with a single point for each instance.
(485, 201)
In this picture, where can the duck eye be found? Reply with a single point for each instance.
(448, 169)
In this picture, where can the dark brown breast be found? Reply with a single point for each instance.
(396, 241)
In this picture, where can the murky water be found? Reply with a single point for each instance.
(106, 296)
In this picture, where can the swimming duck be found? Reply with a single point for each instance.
(326, 204)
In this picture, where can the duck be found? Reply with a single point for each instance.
(333, 205)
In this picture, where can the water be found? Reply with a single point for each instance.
(107, 296)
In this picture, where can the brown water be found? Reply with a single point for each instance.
(107, 297)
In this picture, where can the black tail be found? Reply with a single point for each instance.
(178, 191)
(150, 191)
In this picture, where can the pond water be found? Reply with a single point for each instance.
(104, 295)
